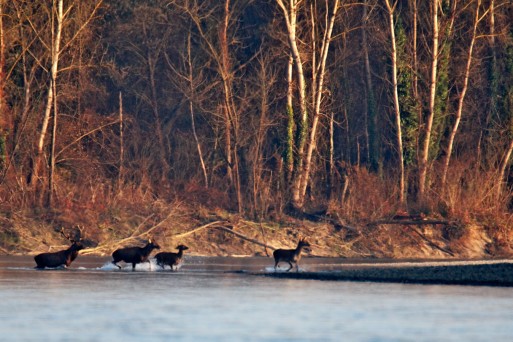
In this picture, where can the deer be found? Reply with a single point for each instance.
(290, 255)
(134, 255)
(60, 258)
(174, 260)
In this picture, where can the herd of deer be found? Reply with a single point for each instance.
(137, 255)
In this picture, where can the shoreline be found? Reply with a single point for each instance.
(487, 273)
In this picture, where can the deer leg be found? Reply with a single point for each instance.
(133, 266)
(290, 266)
(276, 265)
(119, 267)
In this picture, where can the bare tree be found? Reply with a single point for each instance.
(424, 152)
(461, 98)
(58, 15)
(4, 110)
(190, 92)
(58, 9)
(372, 118)
(391, 8)
(308, 132)
(290, 10)
(219, 43)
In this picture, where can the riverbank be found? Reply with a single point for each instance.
(216, 232)
(487, 273)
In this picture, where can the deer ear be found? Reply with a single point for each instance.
(149, 241)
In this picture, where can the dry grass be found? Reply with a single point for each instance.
(118, 215)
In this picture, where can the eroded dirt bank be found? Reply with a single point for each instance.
(217, 233)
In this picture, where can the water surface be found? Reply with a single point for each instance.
(206, 301)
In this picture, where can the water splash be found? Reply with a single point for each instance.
(279, 269)
(150, 266)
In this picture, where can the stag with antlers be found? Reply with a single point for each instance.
(60, 258)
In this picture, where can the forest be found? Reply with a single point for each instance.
(345, 111)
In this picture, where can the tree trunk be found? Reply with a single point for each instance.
(424, 153)
(312, 141)
(290, 15)
(56, 41)
(502, 169)
(459, 111)
(121, 144)
(372, 118)
(152, 61)
(191, 109)
(397, 110)
(52, 148)
(221, 56)
(289, 158)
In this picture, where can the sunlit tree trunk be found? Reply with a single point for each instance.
(289, 154)
(290, 10)
(231, 116)
(502, 168)
(58, 14)
(428, 125)
(58, 9)
(461, 99)
(52, 147)
(121, 173)
(319, 76)
(391, 8)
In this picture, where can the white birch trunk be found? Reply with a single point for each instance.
(56, 41)
(290, 15)
(397, 110)
(321, 69)
(424, 153)
(459, 111)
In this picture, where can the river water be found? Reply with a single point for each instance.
(211, 299)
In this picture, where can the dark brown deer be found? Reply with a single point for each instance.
(134, 255)
(172, 259)
(60, 258)
(292, 256)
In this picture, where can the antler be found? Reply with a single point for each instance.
(80, 232)
(66, 236)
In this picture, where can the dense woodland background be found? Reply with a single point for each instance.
(359, 110)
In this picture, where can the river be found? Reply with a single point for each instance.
(216, 299)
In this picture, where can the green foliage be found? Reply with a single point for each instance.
(302, 131)
(441, 99)
(289, 149)
(407, 102)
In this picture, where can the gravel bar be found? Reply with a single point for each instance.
(485, 274)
